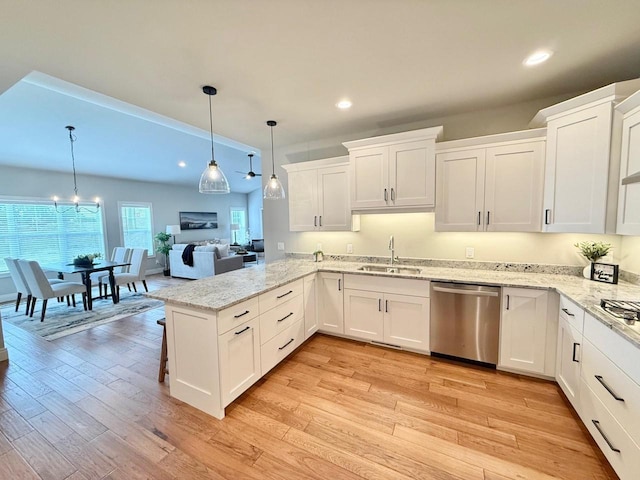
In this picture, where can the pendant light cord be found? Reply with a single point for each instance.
(273, 163)
(211, 128)
(73, 162)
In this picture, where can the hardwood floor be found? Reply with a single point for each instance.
(88, 406)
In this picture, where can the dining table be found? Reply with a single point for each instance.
(85, 271)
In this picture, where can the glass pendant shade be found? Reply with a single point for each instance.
(274, 189)
(213, 180)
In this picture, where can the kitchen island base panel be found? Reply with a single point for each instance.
(192, 338)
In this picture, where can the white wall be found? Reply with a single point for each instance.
(166, 200)
(254, 201)
(414, 233)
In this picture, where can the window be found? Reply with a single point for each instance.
(137, 225)
(239, 217)
(33, 230)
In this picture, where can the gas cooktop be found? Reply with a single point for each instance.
(625, 310)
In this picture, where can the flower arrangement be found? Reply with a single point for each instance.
(593, 251)
(86, 258)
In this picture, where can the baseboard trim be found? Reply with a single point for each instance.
(4, 355)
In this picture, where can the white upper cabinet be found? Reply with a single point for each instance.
(394, 172)
(319, 195)
(629, 195)
(491, 184)
(582, 160)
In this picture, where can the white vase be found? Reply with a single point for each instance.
(586, 273)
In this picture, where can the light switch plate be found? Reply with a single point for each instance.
(349, 247)
(470, 252)
(280, 245)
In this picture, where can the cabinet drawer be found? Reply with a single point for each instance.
(280, 295)
(237, 314)
(276, 349)
(571, 313)
(609, 435)
(279, 318)
(401, 286)
(616, 391)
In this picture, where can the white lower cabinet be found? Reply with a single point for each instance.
(523, 336)
(239, 351)
(373, 310)
(568, 361)
(330, 302)
(310, 305)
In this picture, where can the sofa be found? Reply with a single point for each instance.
(208, 260)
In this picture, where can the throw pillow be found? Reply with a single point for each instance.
(205, 248)
(217, 253)
(258, 245)
(223, 249)
(179, 246)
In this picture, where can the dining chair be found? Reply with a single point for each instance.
(119, 254)
(41, 288)
(21, 283)
(137, 271)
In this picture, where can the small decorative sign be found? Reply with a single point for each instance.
(604, 272)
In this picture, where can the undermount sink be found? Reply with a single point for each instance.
(387, 269)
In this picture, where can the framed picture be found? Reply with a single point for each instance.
(604, 272)
(198, 220)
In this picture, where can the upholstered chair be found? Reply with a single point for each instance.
(119, 254)
(41, 288)
(137, 271)
(20, 282)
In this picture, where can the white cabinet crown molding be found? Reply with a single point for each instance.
(629, 104)
(609, 93)
(396, 138)
(312, 164)
(521, 136)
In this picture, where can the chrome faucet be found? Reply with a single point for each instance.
(392, 246)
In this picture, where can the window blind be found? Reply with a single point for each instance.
(33, 230)
(137, 221)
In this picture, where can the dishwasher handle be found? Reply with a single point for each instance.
(460, 291)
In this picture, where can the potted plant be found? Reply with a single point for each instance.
(86, 259)
(592, 251)
(164, 247)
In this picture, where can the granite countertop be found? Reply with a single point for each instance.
(222, 291)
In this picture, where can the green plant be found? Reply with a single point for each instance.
(163, 246)
(593, 251)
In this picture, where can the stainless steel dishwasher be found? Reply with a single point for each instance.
(465, 321)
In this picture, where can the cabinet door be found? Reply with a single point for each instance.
(369, 177)
(412, 170)
(303, 200)
(568, 361)
(629, 196)
(523, 329)
(363, 314)
(310, 305)
(406, 321)
(460, 191)
(577, 171)
(334, 211)
(514, 183)
(239, 359)
(330, 302)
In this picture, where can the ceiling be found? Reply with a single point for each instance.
(399, 61)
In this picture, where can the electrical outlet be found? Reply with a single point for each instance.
(280, 245)
(349, 247)
(470, 252)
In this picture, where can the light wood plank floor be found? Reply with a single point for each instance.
(88, 406)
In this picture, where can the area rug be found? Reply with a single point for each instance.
(61, 320)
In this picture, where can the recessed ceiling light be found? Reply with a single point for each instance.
(182, 164)
(344, 104)
(537, 58)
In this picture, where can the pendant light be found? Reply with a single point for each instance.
(76, 199)
(212, 179)
(273, 190)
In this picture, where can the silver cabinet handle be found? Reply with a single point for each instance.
(568, 312)
(284, 294)
(285, 317)
(508, 302)
(315, 220)
(243, 330)
(488, 216)
(608, 388)
(379, 304)
(386, 306)
(596, 423)
(546, 216)
(320, 219)
(479, 216)
(241, 314)
(393, 195)
(465, 292)
(573, 355)
(339, 287)
(285, 345)
(385, 194)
